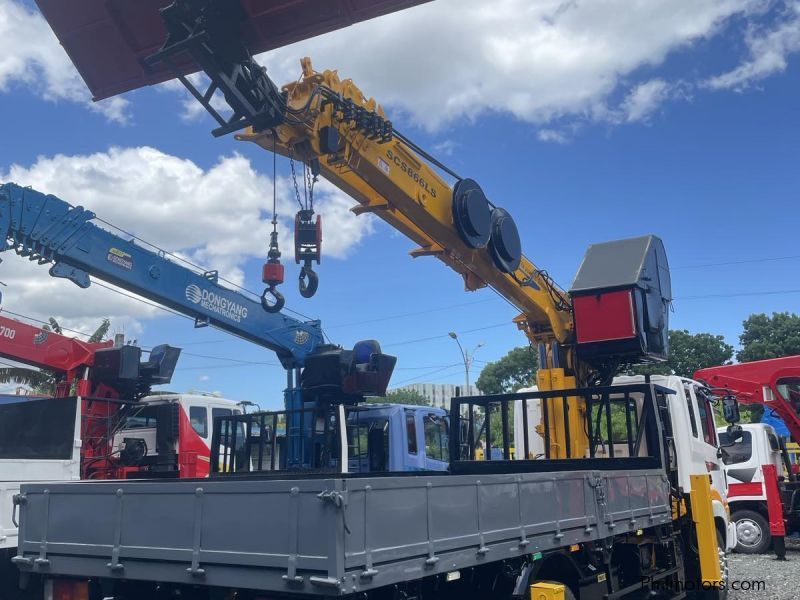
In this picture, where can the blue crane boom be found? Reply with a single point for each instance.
(46, 229)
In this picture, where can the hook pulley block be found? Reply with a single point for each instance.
(307, 248)
(272, 274)
(307, 237)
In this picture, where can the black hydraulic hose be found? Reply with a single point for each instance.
(425, 154)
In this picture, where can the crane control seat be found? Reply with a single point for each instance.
(346, 376)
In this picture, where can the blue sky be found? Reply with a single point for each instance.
(587, 124)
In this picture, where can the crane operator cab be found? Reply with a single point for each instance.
(341, 376)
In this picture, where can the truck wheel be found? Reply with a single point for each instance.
(752, 532)
(724, 569)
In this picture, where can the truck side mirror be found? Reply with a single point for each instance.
(730, 410)
(735, 433)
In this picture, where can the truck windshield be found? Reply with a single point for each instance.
(142, 419)
(37, 428)
(366, 432)
(437, 438)
(789, 388)
(737, 452)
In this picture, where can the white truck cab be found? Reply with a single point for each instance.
(40, 440)
(696, 443)
(743, 460)
(694, 434)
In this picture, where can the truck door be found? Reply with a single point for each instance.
(774, 450)
(412, 454)
(39, 441)
(705, 446)
(436, 430)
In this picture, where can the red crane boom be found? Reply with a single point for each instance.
(773, 383)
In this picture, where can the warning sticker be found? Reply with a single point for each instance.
(120, 258)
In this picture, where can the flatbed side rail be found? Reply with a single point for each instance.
(604, 428)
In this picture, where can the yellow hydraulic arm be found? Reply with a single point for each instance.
(388, 177)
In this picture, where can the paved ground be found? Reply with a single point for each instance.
(782, 579)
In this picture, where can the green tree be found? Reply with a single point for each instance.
(43, 381)
(101, 332)
(401, 396)
(769, 337)
(689, 352)
(515, 370)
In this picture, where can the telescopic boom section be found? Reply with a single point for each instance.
(45, 229)
(37, 347)
(331, 125)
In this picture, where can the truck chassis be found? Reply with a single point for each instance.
(323, 534)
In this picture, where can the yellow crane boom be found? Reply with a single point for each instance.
(388, 178)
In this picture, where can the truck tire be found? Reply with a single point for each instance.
(752, 532)
(716, 593)
(721, 594)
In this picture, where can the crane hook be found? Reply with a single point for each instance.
(307, 248)
(272, 300)
(309, 288)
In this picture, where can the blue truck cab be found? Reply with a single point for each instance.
(397, 437)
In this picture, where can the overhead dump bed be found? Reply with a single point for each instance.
(107, 40)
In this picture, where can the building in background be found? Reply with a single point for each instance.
(439, 394)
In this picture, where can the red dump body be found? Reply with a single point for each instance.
(108, 39)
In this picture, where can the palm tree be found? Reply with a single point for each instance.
(43, 381)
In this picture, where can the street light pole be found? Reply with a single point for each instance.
(468, 358)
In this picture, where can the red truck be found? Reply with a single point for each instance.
(775, 384)
(99, 424)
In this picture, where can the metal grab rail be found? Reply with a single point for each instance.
(620, 425)
(260, 442)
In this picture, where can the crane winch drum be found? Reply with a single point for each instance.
(483, 225)
(620, 299)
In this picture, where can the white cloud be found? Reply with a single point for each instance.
(769, 49)
(218, 217)
(553, 135)
(538, 61)
(192, 110)
(644, 99)
(446, 147)
(31, 56)
(30, 291)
